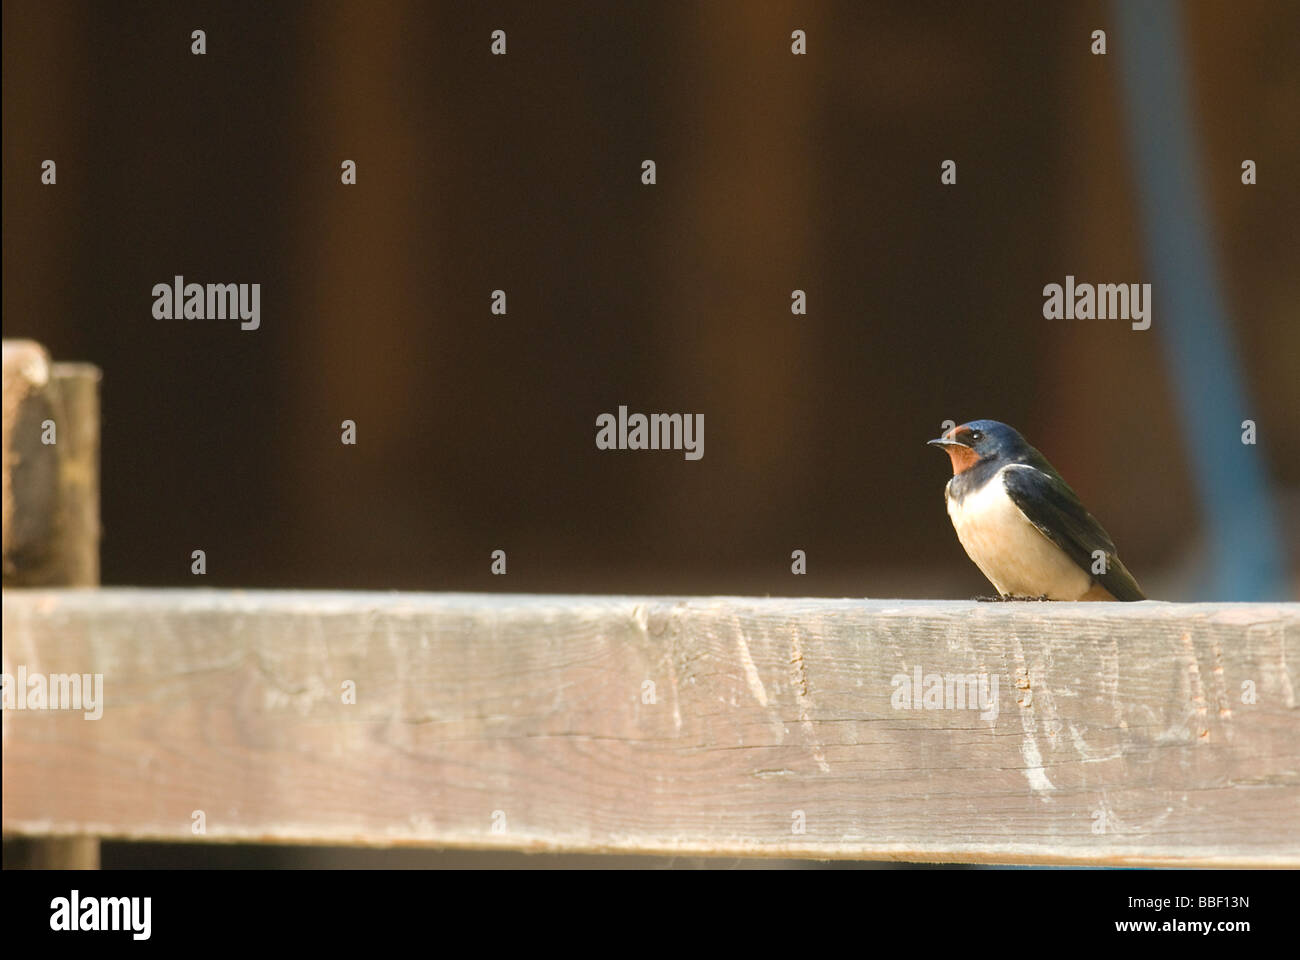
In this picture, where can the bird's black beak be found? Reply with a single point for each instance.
(945, 442)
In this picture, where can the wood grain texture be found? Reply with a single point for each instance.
(1120, 735)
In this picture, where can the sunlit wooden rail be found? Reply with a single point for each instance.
(1145, 733)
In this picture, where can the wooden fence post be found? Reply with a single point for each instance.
(50, 503)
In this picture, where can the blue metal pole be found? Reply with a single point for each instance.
(1241, 518)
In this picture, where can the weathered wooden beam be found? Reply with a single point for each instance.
(49, 500)
(1143, 733)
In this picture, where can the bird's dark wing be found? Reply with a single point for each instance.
(1051, 506)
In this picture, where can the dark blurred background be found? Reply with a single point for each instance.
(775, 172)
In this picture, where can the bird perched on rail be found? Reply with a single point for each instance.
(1022, 524)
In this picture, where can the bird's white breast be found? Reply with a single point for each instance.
(1016, 557)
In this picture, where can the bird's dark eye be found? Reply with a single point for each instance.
(976, 436)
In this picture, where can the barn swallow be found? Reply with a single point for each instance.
(1022, 524)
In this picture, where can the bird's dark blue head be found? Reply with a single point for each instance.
(981, 441)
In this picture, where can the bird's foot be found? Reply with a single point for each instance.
(989, 599)
(1038, 599)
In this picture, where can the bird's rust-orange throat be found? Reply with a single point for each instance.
(963, 458)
